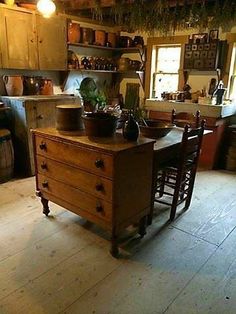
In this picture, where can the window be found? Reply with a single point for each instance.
(166, 61)
(231, 94)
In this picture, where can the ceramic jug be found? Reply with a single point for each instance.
(46, 87)
(131, 129)
(13, 84)
(31, 85)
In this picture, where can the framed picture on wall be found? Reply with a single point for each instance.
(200, 38)
(213, 35)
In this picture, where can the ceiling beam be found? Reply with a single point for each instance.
(89, 4)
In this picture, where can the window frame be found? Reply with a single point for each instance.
(232, 73)
(155, 72)
(153, 42)
(227, 71)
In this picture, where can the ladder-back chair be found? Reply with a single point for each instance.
(174, 183)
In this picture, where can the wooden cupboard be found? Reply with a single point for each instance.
(29, 112)
(29, 41)
(52, 46)
(18, 39)
(105, 180)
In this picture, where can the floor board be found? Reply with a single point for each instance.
(61, 264)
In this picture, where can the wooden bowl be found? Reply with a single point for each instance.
(99, 124)
(156, 129)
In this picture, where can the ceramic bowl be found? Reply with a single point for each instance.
(156, 129)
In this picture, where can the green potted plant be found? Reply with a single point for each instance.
(93, 98)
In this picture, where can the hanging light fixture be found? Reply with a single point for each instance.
(46, 7)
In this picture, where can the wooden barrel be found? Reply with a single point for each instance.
(6, 156)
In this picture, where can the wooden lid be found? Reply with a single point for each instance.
(69, 106)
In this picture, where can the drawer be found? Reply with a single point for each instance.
(85, 181)
(87, 159)
(84, 201)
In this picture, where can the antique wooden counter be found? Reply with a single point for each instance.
(107, 181)
(30, 112)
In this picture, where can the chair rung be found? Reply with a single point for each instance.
(169, 203)
(165, 193)
(162, 202)
(181, 201)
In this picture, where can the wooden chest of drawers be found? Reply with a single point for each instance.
(107, 181)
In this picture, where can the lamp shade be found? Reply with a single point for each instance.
(46, 7)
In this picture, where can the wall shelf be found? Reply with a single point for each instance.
(64, 74)
(130, 72)
(120, 50)
(115, 52)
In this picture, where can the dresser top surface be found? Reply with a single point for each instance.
(110, 144)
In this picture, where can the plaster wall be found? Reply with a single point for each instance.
(197, 80)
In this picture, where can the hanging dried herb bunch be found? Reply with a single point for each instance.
(167, 16)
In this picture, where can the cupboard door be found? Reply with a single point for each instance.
(18, 40)
(52, 45)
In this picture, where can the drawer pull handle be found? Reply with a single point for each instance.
(99, 187)
(43, 146)
(44, 166)
(40, 117)
(99, 208)
(99, 163)
(45, 184)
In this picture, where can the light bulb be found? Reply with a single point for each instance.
(46, 7)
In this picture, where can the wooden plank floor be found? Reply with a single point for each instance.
(61, 264)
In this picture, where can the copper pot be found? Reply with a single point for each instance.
(111, 39)
(87, 36)
(73, 32)
(100, 38)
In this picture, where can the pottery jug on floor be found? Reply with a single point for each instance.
(13, 84)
